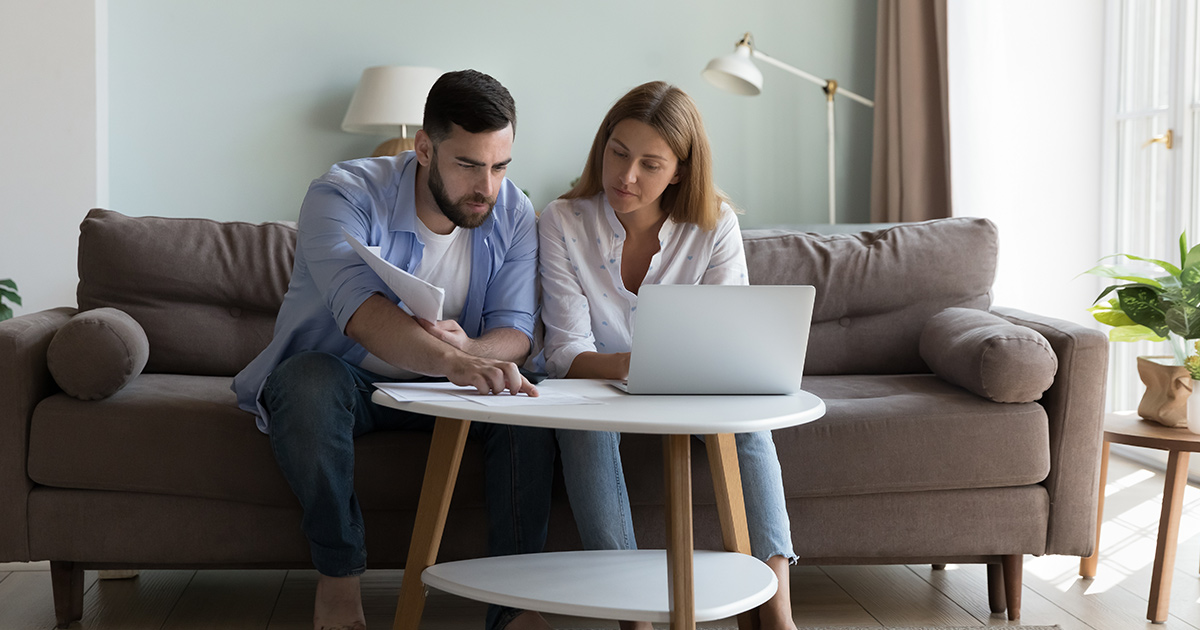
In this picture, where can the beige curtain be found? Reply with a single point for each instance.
(910, 164)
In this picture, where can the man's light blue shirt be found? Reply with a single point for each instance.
(374, 199)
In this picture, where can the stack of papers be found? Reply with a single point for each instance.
(449, 392)
(417, 297)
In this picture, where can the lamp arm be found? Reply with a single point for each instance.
(758, 54)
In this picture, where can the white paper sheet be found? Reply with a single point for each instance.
(417, 296)
(449, 392)
(408, 392)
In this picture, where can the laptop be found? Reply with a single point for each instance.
(719, 339)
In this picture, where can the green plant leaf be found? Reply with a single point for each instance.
(1183, 249)
(1133, 333)
(1118, 272)
(1168, 267)
(1193, 258)
(9, 283)
(11, 296)
(5, 312)
(1112, 317)
(1183, 320)
(1141, 304)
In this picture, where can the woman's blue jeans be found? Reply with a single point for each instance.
(591, 462)
(319, 403)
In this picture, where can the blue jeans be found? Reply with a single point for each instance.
(318, 404)
(591, 462)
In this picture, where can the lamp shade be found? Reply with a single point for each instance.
(389, 97)
(735, 72)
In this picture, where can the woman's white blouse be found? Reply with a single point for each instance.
(585, 306)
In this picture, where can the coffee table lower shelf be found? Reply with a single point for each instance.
(621, 585)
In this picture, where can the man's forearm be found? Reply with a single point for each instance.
(394, 336)
(504, 344)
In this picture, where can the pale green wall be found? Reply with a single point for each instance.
(228, 109)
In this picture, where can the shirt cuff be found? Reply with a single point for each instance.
(558, 363)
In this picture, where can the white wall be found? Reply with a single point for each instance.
(228, 109)
(53, 135)
(1026, 122)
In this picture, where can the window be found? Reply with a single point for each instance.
(1151, 179)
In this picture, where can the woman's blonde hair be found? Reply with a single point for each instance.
(673, 114)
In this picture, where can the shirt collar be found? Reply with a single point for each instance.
(668, 225)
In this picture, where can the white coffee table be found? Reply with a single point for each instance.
(628, 585)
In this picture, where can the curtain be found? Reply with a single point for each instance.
(910, 163)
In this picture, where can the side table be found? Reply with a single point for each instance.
(1127, 428)
(632, 585)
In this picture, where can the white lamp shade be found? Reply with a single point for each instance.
(388, 97)
(735, 72)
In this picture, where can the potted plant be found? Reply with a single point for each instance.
(8, 291)
(1192, 363)
(1159, 308)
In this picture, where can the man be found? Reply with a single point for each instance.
(446, 213)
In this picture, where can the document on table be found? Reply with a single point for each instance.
(449, 392)
(417, 297)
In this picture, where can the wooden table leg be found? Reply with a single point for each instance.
(677, 462)
(1168, 536)
(1087, 566)
(441, 472)
(731, 505)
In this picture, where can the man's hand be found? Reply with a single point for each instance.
(449, 331)
(489, 376)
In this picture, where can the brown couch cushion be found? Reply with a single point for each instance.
(97, 353)
(205, 292)
(988, 355)
(909, 433)
(184, 435)
(875, 290)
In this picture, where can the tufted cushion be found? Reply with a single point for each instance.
(206, 292)
(876, 290)
(988, 355)
(96, 353)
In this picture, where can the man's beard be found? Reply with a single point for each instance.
(457, 211)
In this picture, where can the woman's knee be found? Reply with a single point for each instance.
(587, 444)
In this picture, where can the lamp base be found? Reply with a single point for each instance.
(395, 146)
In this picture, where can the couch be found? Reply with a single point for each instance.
(914, 462)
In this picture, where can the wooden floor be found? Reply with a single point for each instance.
(884, 596)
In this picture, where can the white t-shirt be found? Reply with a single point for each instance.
(585, 305)
(446, 263)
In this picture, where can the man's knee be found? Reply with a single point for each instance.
(304, 377)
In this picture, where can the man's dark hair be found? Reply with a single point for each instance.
(470, 99)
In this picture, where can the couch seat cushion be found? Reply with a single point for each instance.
(910, 433)
(184, 435)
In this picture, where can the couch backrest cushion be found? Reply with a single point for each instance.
(205, 292)
(875, 290)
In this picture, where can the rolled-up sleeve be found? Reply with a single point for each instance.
(511, 299)
(565, 312)
(341, 276)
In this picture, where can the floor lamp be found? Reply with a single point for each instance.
(736, 73)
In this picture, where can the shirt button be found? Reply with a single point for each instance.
(844, 322)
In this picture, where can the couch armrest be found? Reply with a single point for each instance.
(24, 382)
(1075, 407)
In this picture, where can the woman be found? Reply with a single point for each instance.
(645, 211)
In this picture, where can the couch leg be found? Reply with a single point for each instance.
(66, 579)
(995, 579)
(938, 567)
(1013, 567)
